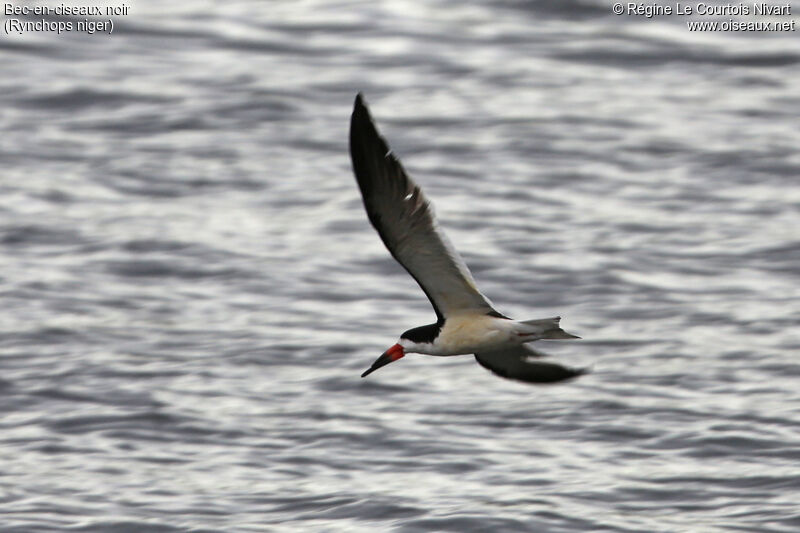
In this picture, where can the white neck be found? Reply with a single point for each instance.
(410, 346)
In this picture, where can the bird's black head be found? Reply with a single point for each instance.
(422, 334)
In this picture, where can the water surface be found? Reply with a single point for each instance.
(191, 289)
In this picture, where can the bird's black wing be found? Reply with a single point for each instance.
(514, 363)
(404, 219)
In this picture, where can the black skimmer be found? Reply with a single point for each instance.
(466, 321)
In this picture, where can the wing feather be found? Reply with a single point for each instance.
(405, 221)
(514, 363)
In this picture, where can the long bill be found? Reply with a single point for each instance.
(392, 354)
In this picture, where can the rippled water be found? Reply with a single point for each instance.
(190, 287)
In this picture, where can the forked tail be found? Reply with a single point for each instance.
(544, 328)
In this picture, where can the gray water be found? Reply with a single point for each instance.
(190, 287)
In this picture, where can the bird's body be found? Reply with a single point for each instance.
(467, 322)
(468, 333)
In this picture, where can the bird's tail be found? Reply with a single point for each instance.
(544, 328)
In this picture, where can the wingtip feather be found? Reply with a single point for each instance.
(360, 105)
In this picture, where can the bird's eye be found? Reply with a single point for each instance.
(408, 196)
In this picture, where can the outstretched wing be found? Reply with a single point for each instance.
(514, 363)
(404, 219)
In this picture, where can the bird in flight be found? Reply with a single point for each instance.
(466, 321)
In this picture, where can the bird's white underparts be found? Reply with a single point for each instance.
(466, 321)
